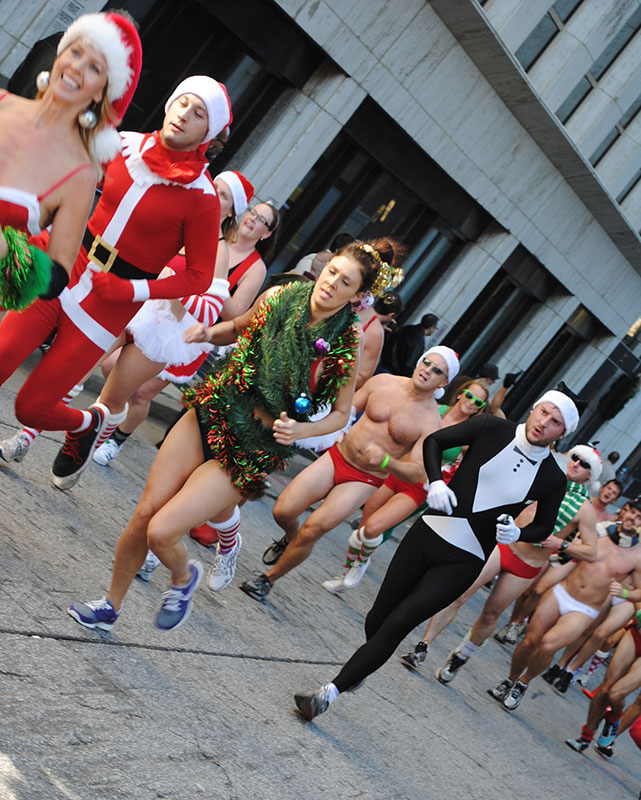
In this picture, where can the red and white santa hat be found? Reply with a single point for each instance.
(241, 189)
(592, 456)
(214, 96)
(117, 39)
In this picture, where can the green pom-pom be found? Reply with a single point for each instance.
(25, 272)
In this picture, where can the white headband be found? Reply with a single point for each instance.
(566, 407)
(448, 355)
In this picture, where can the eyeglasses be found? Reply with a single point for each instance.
(476, 400)
(436, 370)
(259, 217)
(582, 463)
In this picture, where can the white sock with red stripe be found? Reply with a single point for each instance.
(33, 433)
(114, 421)
(227, 531)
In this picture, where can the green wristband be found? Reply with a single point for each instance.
(624, 594)
(385, 461)
(638, 616)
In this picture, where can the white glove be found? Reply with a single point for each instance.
(506, 531)
(441, 498)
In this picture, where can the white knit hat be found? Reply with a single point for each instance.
(565, 405)
(214, 96)
(448, 355)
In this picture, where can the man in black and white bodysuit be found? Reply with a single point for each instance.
(505, 467)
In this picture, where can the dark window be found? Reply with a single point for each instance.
(574, 99)
(545, 31)
(605, 145)
(629, 186)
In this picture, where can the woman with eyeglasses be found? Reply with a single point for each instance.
(298, 348)
(396, 500)
(250, 248)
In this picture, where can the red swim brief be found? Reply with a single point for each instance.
(636, 638)
(344, 472)
(413, 490)
(511, 563)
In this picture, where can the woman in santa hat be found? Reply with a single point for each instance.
(51, 149)
(158, 354)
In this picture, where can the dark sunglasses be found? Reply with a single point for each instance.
(476, 400)
(435, 369)
(582, 463)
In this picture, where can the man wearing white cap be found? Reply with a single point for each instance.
(505, 467)
(157, 198)
(398, 413)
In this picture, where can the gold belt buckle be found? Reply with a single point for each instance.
(105, 266)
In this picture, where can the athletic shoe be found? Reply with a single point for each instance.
(608, 733)
(107, 452)
(311, 704)
(151, 562)
(499, 692)
(447, 672)
(583, 679)
(604, 750)
(204, 534)
(96, 614)
(552, 673)
(508, 634)
(274, 551)
(415, 657)
(222, 570)
(335, 585)
(177, 600)
(74, 455)
(16, 447)
(355, 573)
(512, 699)
(579, 744)
(562, 683)
(258, 587)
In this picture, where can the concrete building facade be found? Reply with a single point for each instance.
(498, 139)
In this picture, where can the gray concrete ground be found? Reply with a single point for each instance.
(207, 711)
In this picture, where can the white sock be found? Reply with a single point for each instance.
(468, 649)
(227, 531)
(332, 692)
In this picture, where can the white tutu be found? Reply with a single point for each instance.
(159, 335)
(326, 440)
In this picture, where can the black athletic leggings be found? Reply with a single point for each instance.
(425, 575)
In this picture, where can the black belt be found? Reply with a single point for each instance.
(106, 257)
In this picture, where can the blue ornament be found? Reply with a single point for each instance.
(303, 404)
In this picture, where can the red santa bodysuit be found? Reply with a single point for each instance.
(140, 223)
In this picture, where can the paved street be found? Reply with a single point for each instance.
(207, 711)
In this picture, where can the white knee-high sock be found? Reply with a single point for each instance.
(227, 531)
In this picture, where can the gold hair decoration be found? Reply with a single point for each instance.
(387, 277)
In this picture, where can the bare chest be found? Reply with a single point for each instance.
(404, 420)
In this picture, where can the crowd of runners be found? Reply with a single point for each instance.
(169, 265)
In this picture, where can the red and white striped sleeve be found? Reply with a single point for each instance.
(206, 308)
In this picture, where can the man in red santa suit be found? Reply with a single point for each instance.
(157, 198)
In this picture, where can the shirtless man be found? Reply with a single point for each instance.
(609, 492)
(567, 609)
(517, 565)
(623, 676)
(398, 414)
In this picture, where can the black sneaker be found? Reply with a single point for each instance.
(499, 692)
(562, 683)
(447, 672)
(552, 673)
(605, 750)
(415, 657)
(75, 454)
(258, 587)
(274, 551)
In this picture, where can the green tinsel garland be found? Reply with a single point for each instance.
(25, 272)
(269, 369)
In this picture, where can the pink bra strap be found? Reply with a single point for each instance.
(62, 180)
(3, 95)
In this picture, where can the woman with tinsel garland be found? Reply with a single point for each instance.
(298, 348)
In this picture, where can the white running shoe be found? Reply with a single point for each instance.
(222, 570)
(107, 452)
(16, 447)
(151, 562)
(335, 586)
(355, 574)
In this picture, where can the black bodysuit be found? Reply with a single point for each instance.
(441, 556)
